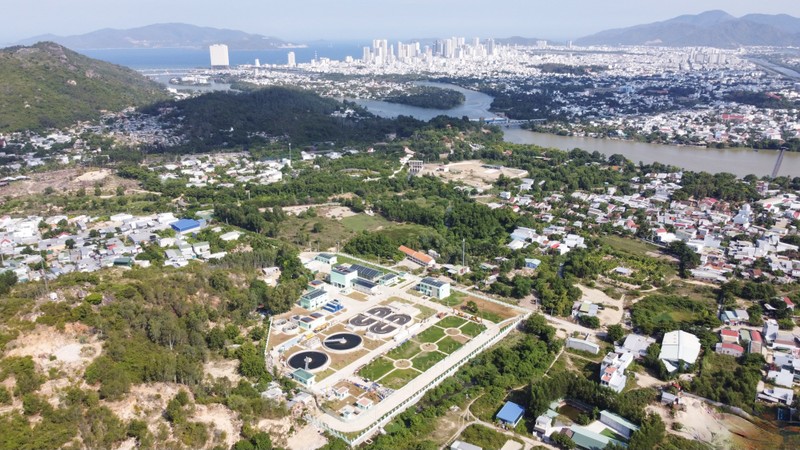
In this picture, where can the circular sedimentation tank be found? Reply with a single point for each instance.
(310, 360)
(343, 342)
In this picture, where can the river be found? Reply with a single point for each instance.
(738, 161)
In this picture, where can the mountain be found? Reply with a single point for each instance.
(165, 35)
(47, 85)
(710, 29)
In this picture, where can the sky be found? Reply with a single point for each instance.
(339, 20)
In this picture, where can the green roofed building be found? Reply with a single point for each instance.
(589, 440)
(304, 377)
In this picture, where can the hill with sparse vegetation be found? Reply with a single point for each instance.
(47, 85)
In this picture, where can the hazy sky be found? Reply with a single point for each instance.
(358, 19)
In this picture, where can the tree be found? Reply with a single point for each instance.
(615, 332)
(251, 361)
(563, 441)
(687, 258)
(471, 307)
(70, 243)
(650, 434)
(589, 321)
(317, 227)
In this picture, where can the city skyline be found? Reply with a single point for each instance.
(359, 20)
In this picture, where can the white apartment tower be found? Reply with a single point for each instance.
(291, 61)
(219, 56)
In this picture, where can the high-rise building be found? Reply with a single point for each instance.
(219, 56)
(366, 56)
(291, 61)
(258, 63)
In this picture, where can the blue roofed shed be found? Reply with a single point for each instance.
(511, 413)
(185, 225)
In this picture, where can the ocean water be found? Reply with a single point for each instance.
(181, 58)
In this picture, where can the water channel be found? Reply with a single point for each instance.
(739, 161)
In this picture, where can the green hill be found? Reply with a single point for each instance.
(47, 85)
(234, 119)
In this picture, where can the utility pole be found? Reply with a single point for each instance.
(463, 253)
(290, 154)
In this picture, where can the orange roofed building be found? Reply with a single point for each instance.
(418, 257)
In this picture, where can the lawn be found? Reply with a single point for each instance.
(363, 222)
(484, 437)
(426, 360)
(449, 345)
(608, 433)
(451, 322)
(295, 230)
(404, 351)
(432, 334)
(376, 369)
(472, 329)
(399, 378)
(455, 299)
(632, 246)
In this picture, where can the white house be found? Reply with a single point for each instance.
(679, 346)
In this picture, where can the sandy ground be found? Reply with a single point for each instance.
(145, 401)
(471, 173)
(645, 380)
(71, 350)
(95, 175)
(66, 180)
(607, 316)
(223, 369)
(219, 420)
(338, 212)
(306, 438)
(701, 422)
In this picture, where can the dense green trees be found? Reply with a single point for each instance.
(7, 280)
(649, 435)
(687, 258)
(298, 116)
(428, 97)
(728, 380)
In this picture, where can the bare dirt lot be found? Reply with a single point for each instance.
(66, 180)
(472, 173)
(223, 369)
(608, 315)
(70, 350)
(702, 422)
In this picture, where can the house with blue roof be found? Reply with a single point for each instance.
(185, 225)
(511, 413)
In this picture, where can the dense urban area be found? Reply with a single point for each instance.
(265, 262)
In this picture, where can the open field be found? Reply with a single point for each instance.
(629, 245)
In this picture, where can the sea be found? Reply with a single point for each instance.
(183, 58)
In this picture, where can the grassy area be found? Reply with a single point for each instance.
(376, 369)
(627, 245)
(298, 231)
(472, 329)
(432, 334)
(455, 299)
(404, 351)
(451, 322)
(363, 222)
(399, 378)
(608, 433)
(449, 345)
(484, 437)
(424, 311)
(426, 360)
